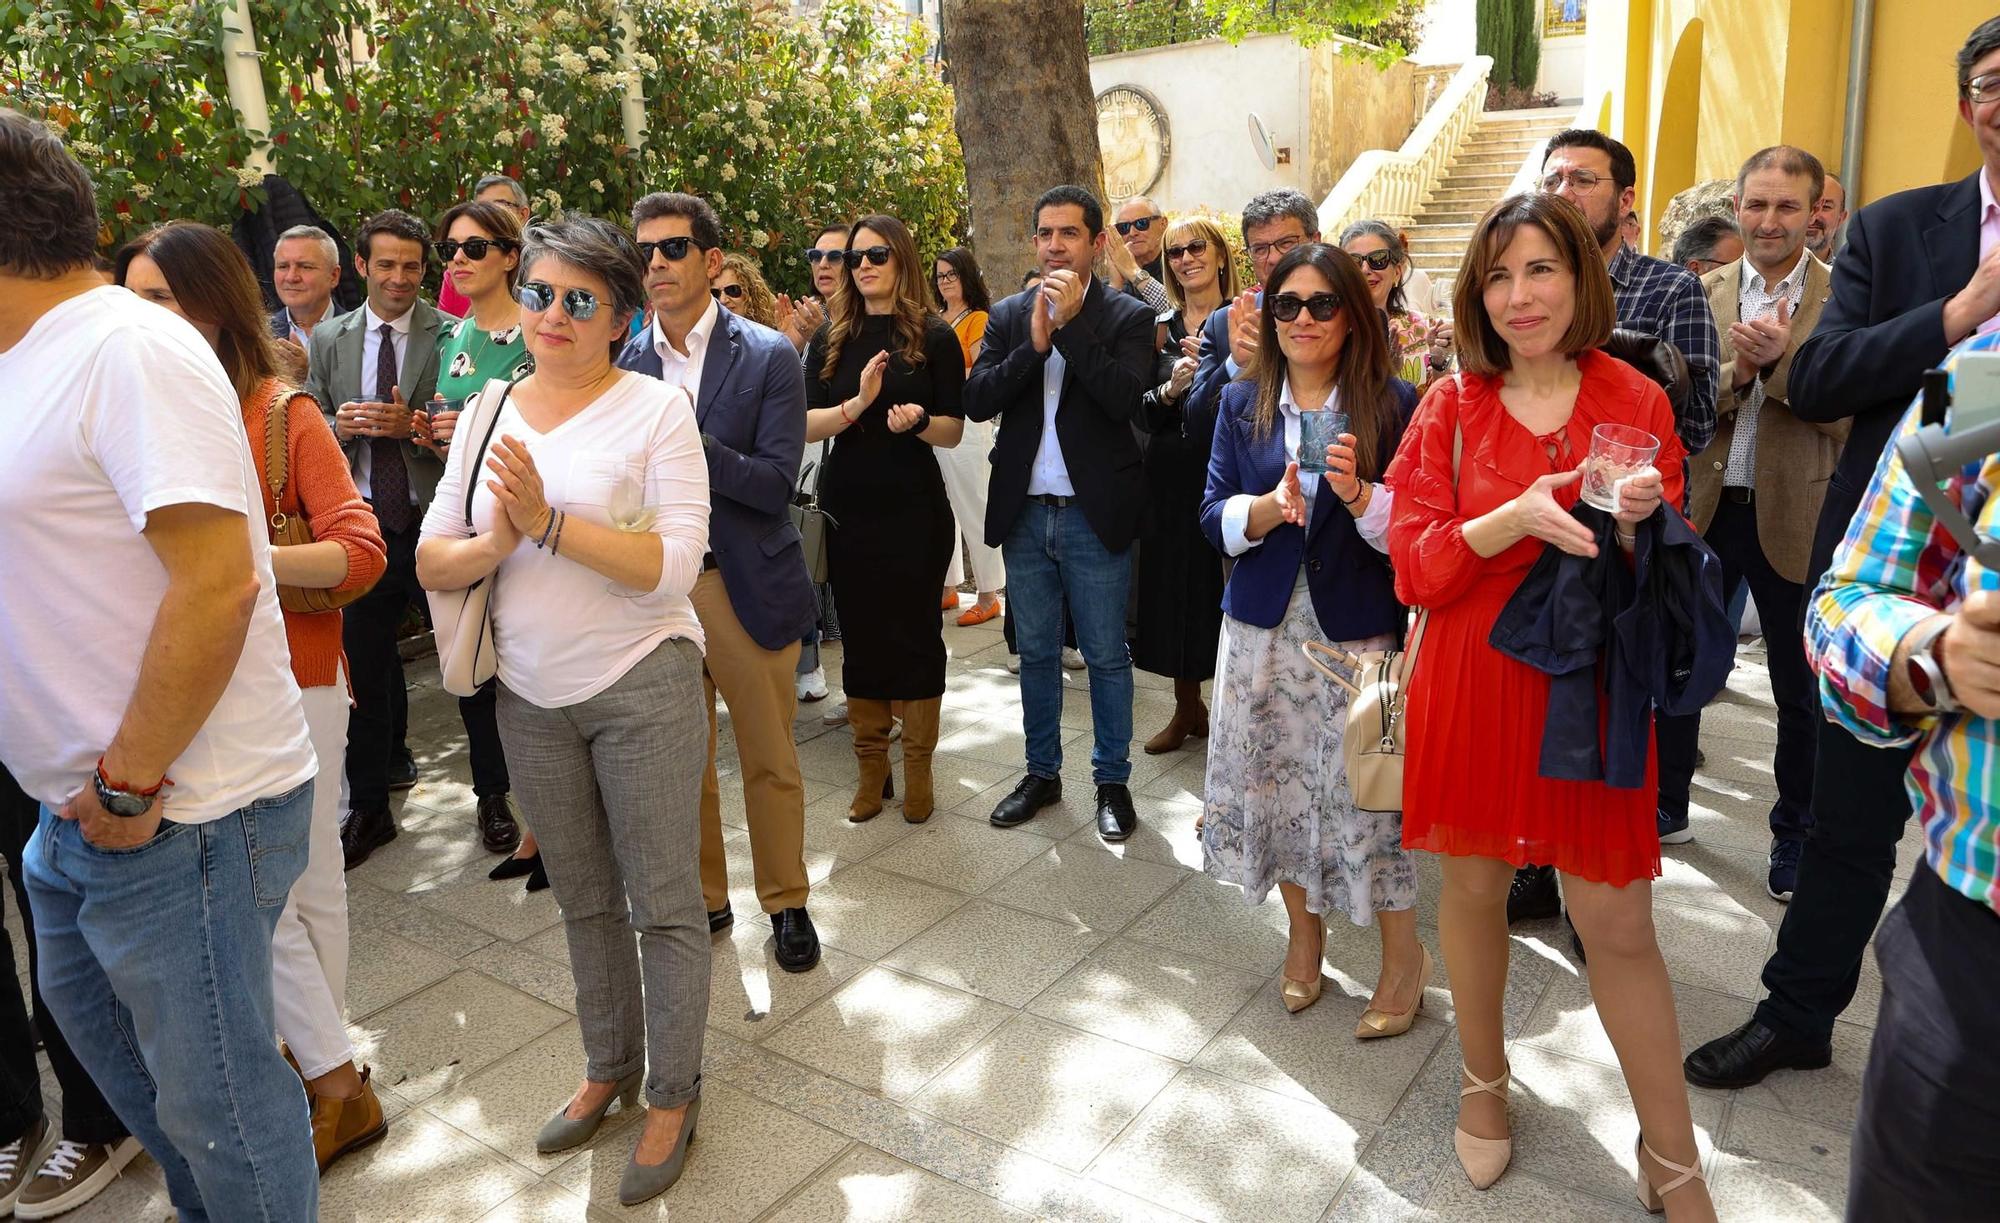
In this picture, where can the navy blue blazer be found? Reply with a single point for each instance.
(1353, 589)
(751, 409)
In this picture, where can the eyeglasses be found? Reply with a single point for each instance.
(1260, 251)
(1580, 181)
(579, 304)
(815, 255)
(475, 248)
(675, 249)
(947, 278)
(1702, 267)
(1195, 247)
(1983, 88)
(877, 255)
(1142, 224)
(732, 292)
(1286, 306)
(1376, 261)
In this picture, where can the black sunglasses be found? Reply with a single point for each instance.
(1286, 306)
(1377, 261)
(475, 248)
(877, 255)
(732, 291)
(675, 249)
(579, 304)
(1195, 247)
(1142, 224)
(815, 254)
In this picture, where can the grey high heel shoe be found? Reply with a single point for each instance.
(562, 1131)
(644, 1182)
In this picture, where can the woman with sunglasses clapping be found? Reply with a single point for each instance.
(1420, 343)
(883, 379)
(1311, 566)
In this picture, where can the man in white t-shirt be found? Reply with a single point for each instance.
(147, 702)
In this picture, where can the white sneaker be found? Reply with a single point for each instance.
(812, 685)
(1072, 659)
(1013, 664)
(837, 716)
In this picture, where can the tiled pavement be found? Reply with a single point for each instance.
(1026, 1024)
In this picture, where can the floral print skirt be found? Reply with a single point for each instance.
(1278, 806)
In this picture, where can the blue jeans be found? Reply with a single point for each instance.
(1053, 558)
(156, 961)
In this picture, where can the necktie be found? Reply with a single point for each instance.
(389, 478)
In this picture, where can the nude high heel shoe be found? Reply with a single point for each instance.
(1484, 1159)
(1375, 1024)
(1654, 1199)
(1298, 995)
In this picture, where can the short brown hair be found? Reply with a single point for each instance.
(1481, 350)
(1788, 160)
(212, 284)
(48, 210)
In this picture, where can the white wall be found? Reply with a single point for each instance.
(1565, 68)
(1208, 90)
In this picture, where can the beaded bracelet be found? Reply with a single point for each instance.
(555, 545)
(548, 529)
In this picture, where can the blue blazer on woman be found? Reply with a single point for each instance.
(1353, 590)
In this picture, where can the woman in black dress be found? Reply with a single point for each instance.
(1179, 580)
(883, 379)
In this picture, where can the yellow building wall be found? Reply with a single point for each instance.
(1696, 86)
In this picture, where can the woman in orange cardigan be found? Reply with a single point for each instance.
(198, 273)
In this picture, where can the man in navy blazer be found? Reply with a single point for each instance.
(1919, 273)
(1273, 222)
(1063, 367)
(755, 598)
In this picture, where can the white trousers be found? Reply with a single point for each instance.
(309, 948)
(967, 469)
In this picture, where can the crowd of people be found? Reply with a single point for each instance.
(603, 428)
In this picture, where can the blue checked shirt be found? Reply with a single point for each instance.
(1666, 300)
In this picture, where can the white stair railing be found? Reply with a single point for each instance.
(1390, 185)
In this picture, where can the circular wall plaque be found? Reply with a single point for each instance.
(1132, 138)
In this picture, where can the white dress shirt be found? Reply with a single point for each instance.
(371, 346)
(1373, 523)
(1050, 475)
(684, 370)
(1758, 300)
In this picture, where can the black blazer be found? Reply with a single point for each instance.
(1880, 331)
(1108, 349)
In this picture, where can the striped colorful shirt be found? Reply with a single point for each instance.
(1895, 569)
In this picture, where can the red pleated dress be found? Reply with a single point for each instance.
(1471, 786)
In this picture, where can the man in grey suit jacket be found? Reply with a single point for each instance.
(755, 598)
(368, 368)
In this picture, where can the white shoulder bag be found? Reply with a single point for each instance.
(462, 620)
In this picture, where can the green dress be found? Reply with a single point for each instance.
(469, 358)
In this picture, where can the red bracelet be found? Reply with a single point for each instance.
(123, 788)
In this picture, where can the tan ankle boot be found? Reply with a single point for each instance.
(920, 736)
(340, 1126)
(871, 722)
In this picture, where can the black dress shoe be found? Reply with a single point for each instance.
(798, 942)
(366, 832)
(497, 830)
(1115, 817)
(514, 868)
(1752, 1051)
(721, 919)
(1533, 894)
(1031, 795)
(402, 770)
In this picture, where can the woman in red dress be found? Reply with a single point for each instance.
(1484, 482)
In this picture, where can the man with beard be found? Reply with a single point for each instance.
(1823, 231)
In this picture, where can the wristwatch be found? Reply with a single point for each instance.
(1926, 672)
(122, 802)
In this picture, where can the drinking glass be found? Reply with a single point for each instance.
(1617, 453)
(444, 411)
(1317, 431)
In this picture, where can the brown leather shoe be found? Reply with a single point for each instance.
(340, 1126)
(1170, 738)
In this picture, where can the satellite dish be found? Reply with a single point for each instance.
(1262, 141)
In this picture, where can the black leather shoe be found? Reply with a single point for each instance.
(1533, 894)
(1115, 817)
(366, 832)
(1031, 795)
(402, 770)
(497, 830)
(721, 919)
(798, 942)
(1745, 1056)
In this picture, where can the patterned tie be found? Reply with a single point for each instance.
(390, 479)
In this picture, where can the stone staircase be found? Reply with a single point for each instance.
(1475, 181)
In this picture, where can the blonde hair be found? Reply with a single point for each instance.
(1218, 245)
(760, 305)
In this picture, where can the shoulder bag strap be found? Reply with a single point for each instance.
(277, 448)
(469, 465)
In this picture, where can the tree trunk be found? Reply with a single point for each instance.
(1026, 118)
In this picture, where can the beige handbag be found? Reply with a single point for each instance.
(462, 620)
